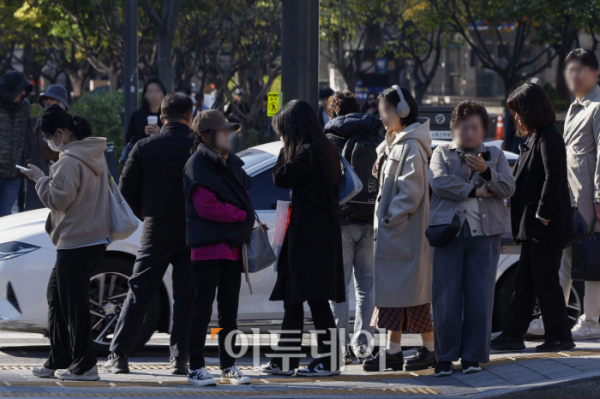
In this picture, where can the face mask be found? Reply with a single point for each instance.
(54, 147)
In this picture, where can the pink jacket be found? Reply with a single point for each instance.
(209, 207)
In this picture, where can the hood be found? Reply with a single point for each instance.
(90, 151)
(418, 131)
(346, 126)
(11, 84)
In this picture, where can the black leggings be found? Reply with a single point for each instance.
(293, 320)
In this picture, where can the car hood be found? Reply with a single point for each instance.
(27, 227)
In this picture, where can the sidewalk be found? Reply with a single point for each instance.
(526, 374)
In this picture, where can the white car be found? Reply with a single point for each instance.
(27, 257)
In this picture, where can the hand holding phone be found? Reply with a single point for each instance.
(23, 168)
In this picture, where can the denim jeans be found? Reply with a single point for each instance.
(464, 275)
(9, 192)
(358, 247)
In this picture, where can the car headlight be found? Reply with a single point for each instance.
(10, 250)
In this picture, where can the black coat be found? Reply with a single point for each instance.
(230, 183)
(340, 129)
(152, 183)
(310, 264)
(137, 125)
(542, 189)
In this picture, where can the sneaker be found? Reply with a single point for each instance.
(201, 378)
(536, 329)
(394, 362)
(361, 352)
(116, 364)
(348, 355)
(273, 368)
(316, 369)
(585, 329)
(555, 346)
(234, 376)
(470, 367)
(90, 375)
(504, 342)
(179, 365)
(43, 372)
(422, 360)
(443, 369)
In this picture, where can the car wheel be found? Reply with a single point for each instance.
(505, 289)
(108, 290)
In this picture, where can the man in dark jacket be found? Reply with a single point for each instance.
(152, 184)
(356, 135)
(15, 116)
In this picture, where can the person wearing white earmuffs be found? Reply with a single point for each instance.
(403, 257)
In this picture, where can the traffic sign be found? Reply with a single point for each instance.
(273, 103)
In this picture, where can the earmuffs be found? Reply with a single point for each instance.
(402, 108)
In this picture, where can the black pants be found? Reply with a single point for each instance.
(225, 278)
(148, 272)
(293, 321)
(537, 276)
(68, 297)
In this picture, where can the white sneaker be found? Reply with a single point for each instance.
(201, 378)
(585, 329)
(536, 327)
(234, 376)
(316, 369)
(272, 368)
(90, 375)
(43, 372)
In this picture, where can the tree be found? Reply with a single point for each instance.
(347, 26)
(476, 21)
(415, 31)
(165, 25)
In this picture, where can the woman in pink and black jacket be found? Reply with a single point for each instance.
(220, 219)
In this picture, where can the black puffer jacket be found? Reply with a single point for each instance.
(230, 183)
(152, 183)
(342, 128)
(14, 122)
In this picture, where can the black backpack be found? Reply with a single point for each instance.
(360, 152)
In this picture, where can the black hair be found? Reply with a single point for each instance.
(467, 109)
(55, 117)
(199, 97)
(176, 106)
(586, 57)
(391, 96)
(325, 92)
(298, 124)
(534, 108)
(342, 102)
(153, 79)
(373, 92)
(206, 137)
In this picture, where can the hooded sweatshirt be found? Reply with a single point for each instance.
(14, 122)
(77, 194)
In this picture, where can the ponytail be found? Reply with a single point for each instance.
(207, 137)
(55, 117)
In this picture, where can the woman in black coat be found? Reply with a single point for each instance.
(310, 266)
(541, 222)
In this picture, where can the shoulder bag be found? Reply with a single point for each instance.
(123, 222)
(351, 184)
(586, 256)
(257, 255)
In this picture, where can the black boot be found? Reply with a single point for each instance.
(505, 342)
(422, 360)
(394, 362)
(555, 346)
(116, 364)
(179, 365)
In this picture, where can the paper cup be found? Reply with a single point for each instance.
(153, 120)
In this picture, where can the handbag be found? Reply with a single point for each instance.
(282, 221)
(439, 236)
(351, 184)
(580, 227)
(586, 256)
(125, 153)
(259, 254)
(123, 222)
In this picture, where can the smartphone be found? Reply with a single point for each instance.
(23, 168)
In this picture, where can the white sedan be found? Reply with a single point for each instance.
(27, 257)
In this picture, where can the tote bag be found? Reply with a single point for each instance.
(351, 184)
(282, 220)
(122, 220)
(257, 255)
(586, 256)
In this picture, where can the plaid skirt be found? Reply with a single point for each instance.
(417, 319)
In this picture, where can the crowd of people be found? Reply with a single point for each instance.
(419, 244)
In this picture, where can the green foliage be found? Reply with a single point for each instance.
(105, 112)
(558, 104)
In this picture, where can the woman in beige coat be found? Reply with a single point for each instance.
(403, 258)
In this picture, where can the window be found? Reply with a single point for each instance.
(264, 194)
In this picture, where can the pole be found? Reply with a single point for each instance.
(300, 50)
(131, 59)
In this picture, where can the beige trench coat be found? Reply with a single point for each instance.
(403, 257)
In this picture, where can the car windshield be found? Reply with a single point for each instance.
(253, 157)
